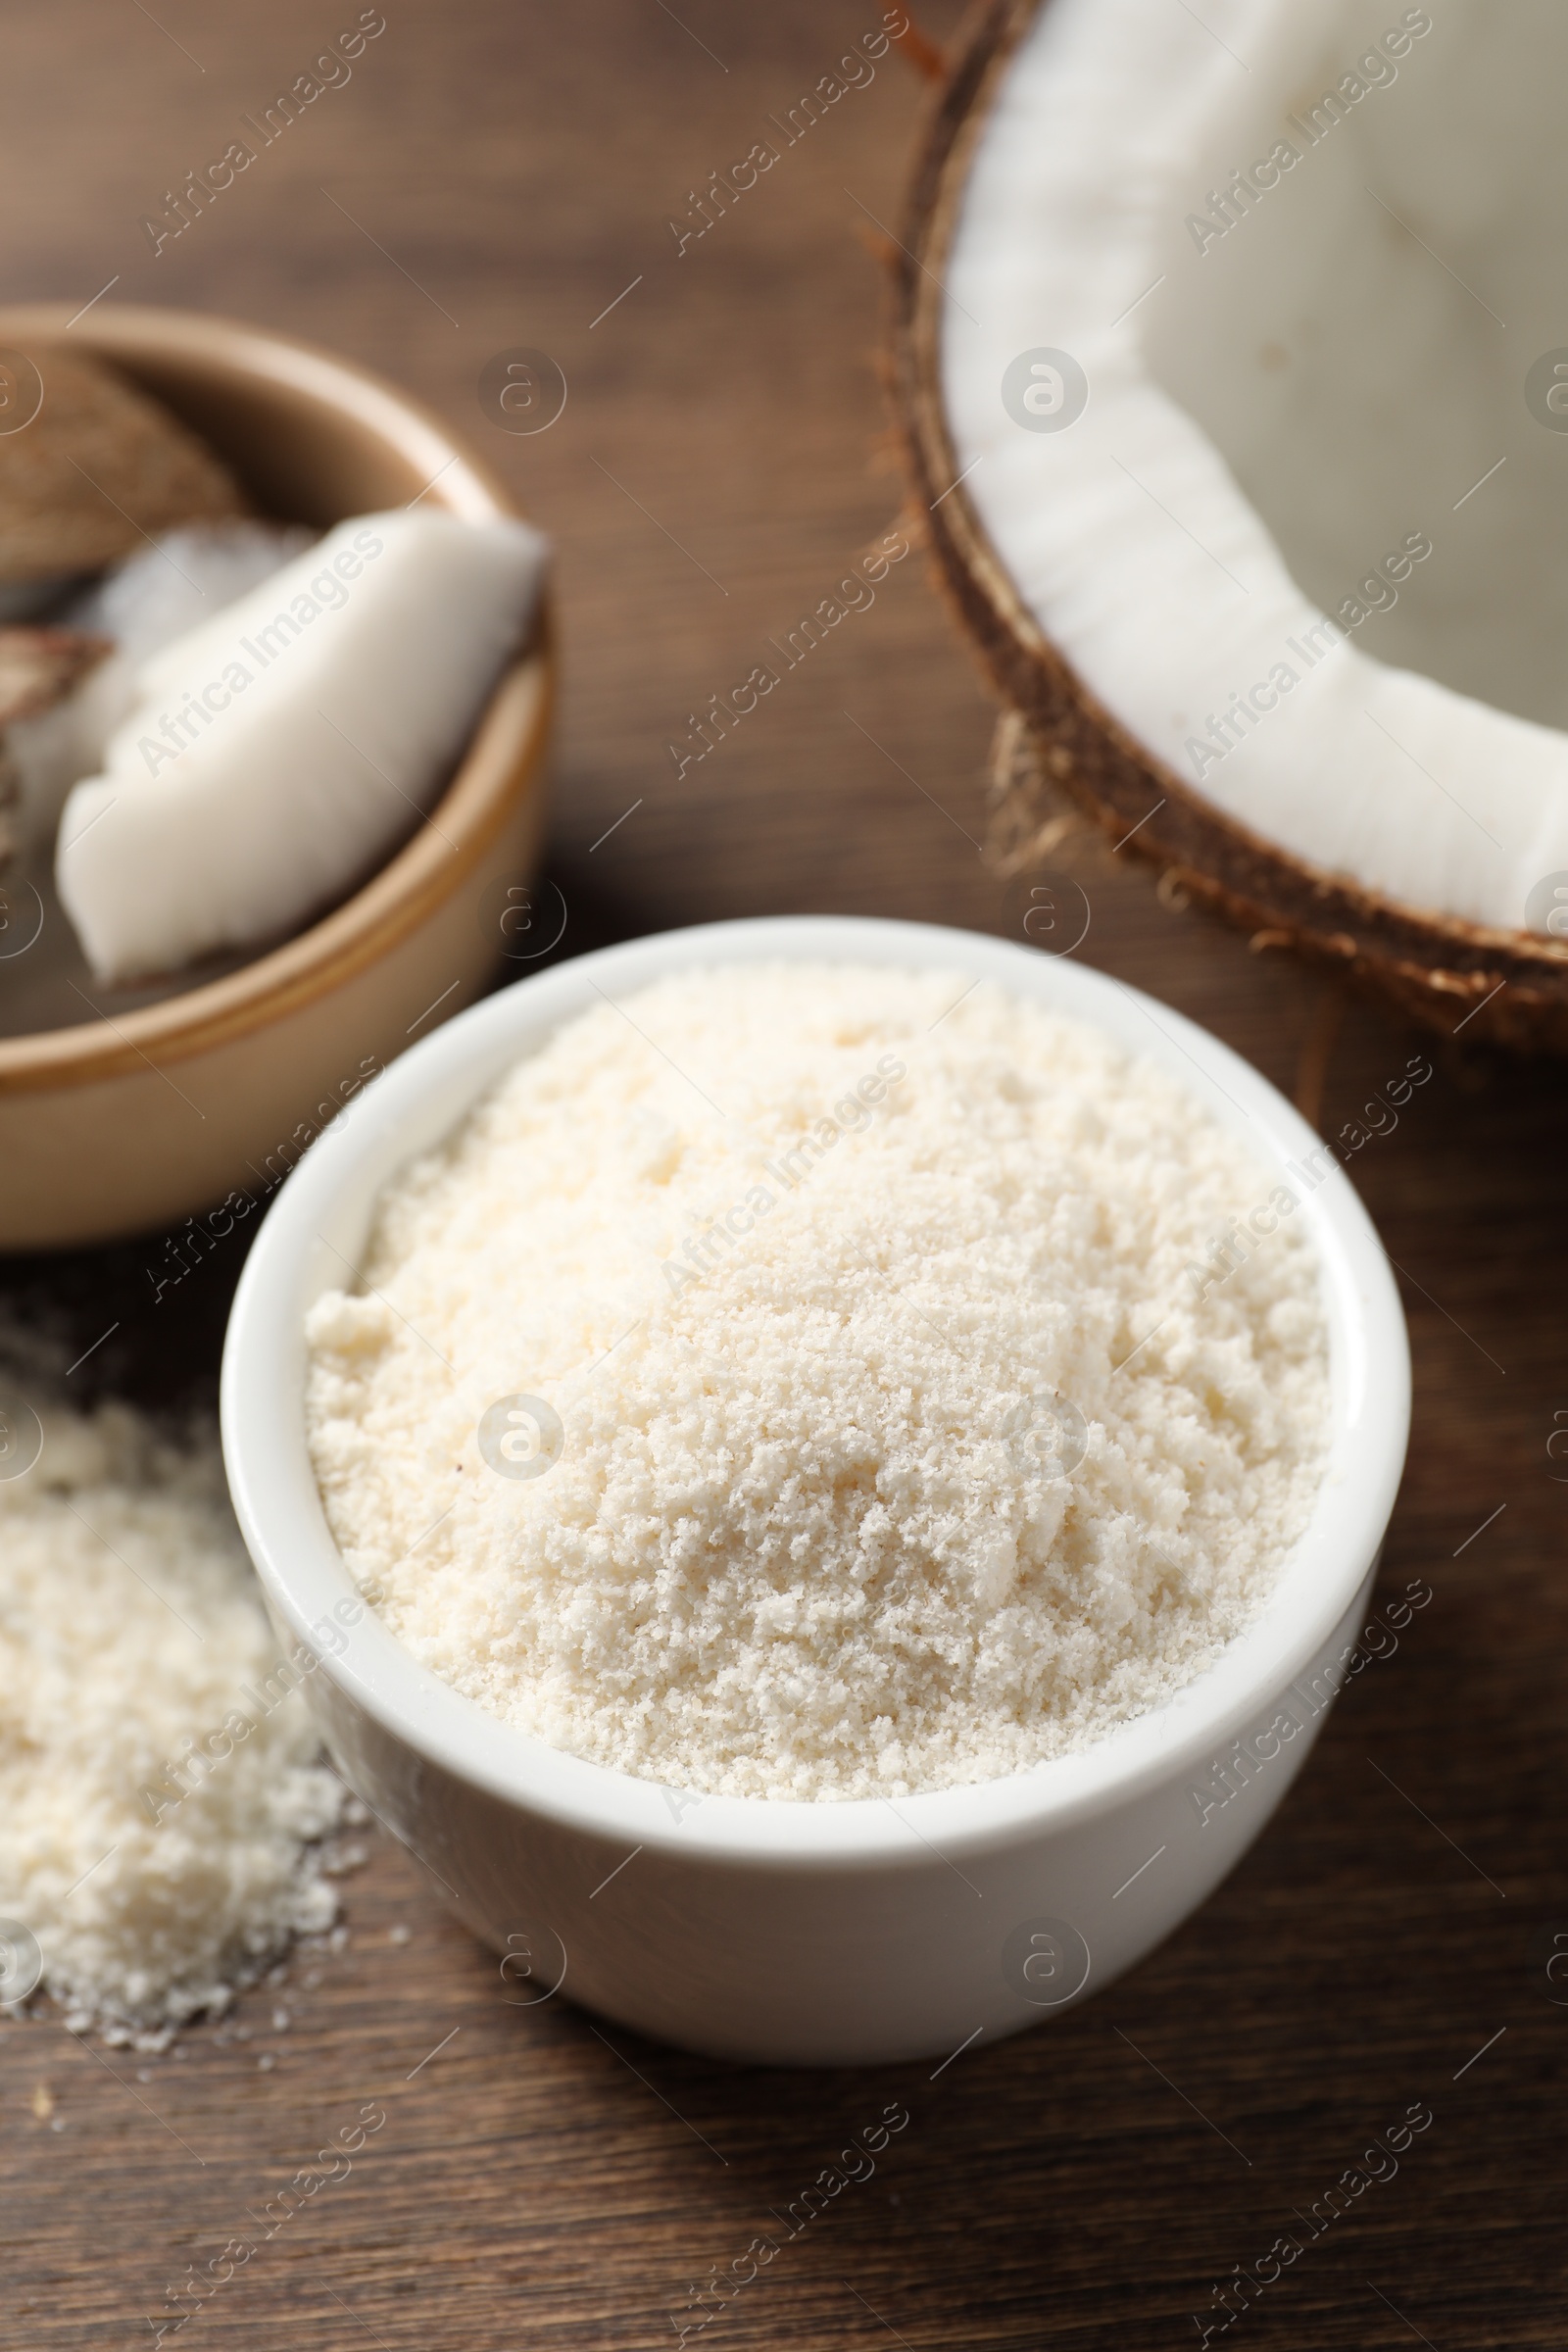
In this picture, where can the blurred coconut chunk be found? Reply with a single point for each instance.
(186, 576)
(65, 689)
(278, 752)
(60, 694)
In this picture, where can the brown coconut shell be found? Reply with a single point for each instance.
(97, 470)
(1510, 987)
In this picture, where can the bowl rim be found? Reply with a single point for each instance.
(326, 1202)
(444, 850)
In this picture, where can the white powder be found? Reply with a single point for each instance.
(128, 1624)
(803, 1537)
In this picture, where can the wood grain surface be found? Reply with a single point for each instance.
(502, 177)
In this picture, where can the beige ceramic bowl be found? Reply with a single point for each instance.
(118, 1124)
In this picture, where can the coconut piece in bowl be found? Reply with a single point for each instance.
(65, 687)
(277, 751)
(53, 687)
(185, 577)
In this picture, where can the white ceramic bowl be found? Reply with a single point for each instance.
(794, 1933)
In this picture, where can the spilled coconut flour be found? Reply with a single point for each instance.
(813, 1269)
(147, 1904)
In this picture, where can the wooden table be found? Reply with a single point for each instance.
(501, 175)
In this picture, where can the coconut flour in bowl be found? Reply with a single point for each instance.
(823, 1382)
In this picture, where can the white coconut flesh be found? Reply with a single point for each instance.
(276, 752)
(1294, 385)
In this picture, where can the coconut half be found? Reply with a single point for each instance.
(1229, 359)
